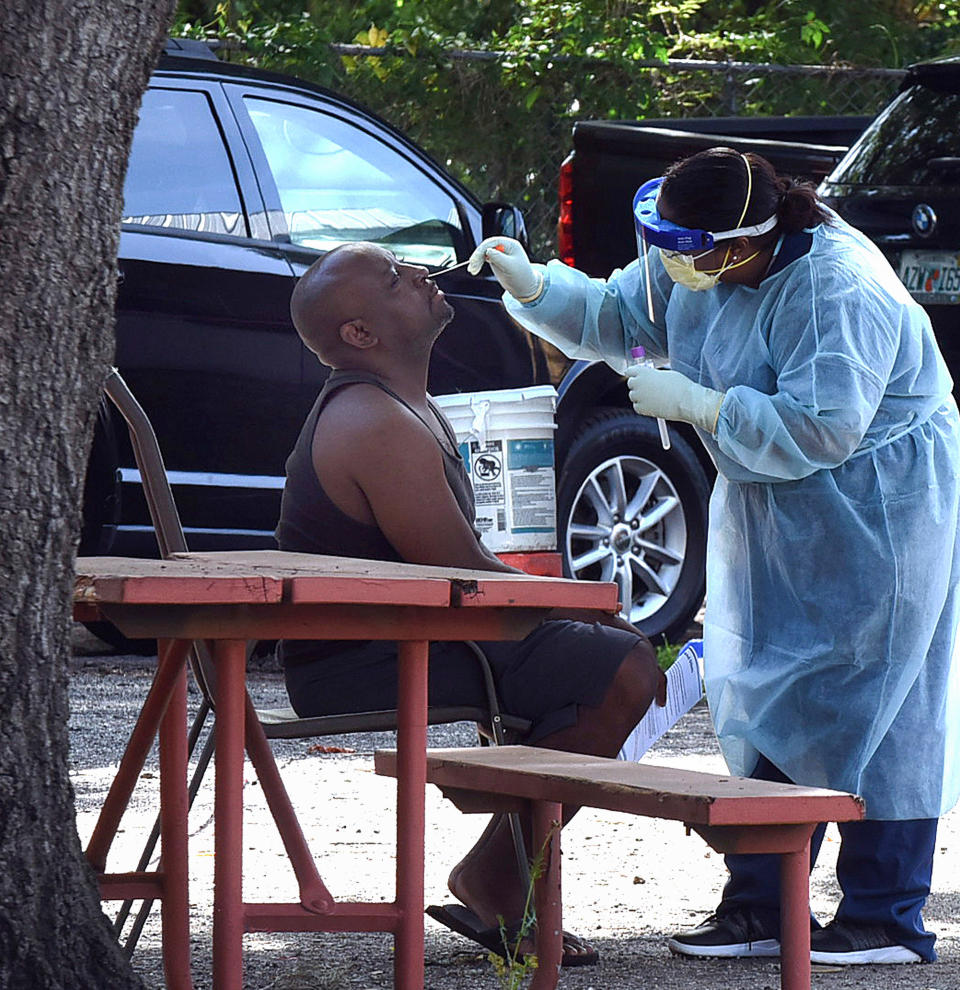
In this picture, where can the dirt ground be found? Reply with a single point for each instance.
(627, 881)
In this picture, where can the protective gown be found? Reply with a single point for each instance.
(832, 558)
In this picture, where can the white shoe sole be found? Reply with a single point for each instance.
(765, 948)
(888, 955)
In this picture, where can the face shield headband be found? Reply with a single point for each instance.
(652, 229)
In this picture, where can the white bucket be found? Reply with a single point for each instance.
(506, 439)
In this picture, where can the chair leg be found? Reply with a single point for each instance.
(497, 739)
(146, 906)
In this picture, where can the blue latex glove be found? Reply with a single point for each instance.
(670, 395)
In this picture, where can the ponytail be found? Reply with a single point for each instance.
(798, 206)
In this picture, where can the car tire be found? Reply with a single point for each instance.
(631, 512)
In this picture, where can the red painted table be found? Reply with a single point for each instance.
(229, 599)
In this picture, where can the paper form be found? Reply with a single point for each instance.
(684, 690)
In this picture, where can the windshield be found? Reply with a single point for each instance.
(896, 150)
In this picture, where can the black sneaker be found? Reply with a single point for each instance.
(739, 934)
(843, 944)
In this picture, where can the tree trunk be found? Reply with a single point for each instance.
(71, 76)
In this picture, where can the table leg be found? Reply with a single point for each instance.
(547, 816)
(174, 808)
(408, 967)
(230, 661)
(795, 919)
(172, 654)
(314, 895)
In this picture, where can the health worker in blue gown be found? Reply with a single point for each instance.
(815, 383)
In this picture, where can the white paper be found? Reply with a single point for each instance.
(684, 690)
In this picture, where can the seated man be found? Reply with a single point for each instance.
(376, 473)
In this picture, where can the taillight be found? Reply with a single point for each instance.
(565, 223)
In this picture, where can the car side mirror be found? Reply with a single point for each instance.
(505, 220)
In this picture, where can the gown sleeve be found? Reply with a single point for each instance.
(598, 319)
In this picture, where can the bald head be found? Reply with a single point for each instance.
(322, 300)
(359, 307)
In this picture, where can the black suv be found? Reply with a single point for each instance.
(900, 185)
(238, 180)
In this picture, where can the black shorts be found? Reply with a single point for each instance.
(542, 678)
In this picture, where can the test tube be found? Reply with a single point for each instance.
(639, 352)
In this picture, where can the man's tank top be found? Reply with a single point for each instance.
(311, 522)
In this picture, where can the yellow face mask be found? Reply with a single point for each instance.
(682, 269)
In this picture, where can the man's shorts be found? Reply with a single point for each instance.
(542, 678)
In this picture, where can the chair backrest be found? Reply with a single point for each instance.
(153, 474)
(160, 502)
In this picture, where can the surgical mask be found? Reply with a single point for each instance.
(681, 268)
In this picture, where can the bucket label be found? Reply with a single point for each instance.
(532, 495)
(514, 490)
(489, 486)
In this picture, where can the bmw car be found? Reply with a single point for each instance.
(900, 185)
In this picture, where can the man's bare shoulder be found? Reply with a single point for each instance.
(364, 416)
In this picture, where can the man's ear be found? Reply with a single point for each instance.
(354, 334)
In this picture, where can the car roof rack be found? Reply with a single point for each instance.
(191, 48)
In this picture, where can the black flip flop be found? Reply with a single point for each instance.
(460, 919)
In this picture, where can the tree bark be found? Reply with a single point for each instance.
(71, 76)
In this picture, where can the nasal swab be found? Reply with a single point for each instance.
(452, 268)
(461, 264)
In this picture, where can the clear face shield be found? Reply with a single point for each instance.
(653, 230)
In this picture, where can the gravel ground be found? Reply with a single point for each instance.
(627, 881)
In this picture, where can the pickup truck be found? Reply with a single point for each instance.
(610, 159)
(603, 442)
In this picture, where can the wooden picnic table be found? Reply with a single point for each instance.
(233, 597)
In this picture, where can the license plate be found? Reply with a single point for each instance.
(931, 276)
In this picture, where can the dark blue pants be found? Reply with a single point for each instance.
(884, 869)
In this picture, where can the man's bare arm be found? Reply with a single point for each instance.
(381, 465)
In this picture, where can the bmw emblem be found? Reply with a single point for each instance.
(924, 220)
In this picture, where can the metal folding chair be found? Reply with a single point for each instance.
(276, 723)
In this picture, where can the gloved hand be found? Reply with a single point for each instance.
(510, 265)
(670, 395)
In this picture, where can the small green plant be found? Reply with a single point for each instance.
(514, 969)
(666, 654)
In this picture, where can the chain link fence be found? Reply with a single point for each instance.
(505, 130)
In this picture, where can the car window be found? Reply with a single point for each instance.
(338, 183)
(179, 174)
(901, 147)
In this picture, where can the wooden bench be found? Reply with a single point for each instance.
(733, 815)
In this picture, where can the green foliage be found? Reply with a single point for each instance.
(502, 124)
(514, 969)
(667, 654)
